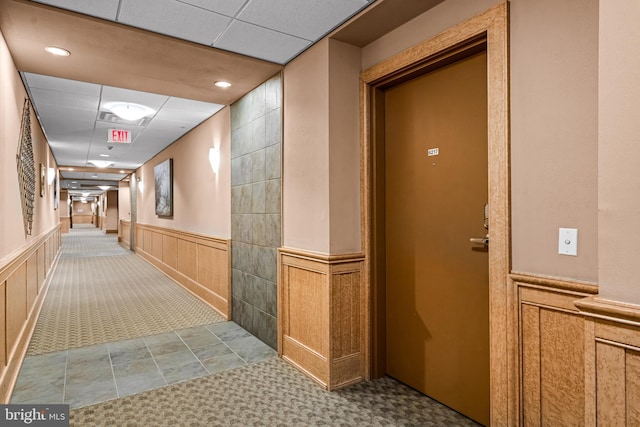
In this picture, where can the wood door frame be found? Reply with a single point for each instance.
(490, 27)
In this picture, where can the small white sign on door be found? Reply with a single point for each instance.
(433, 152)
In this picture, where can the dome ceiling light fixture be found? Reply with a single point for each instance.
(101, 163)
(129, 110)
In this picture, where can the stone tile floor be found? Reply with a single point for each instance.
(97, 373)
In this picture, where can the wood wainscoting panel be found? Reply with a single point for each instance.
(322, 327)
(3, 326)
(64, 224)
(16, 304)
(307, 314)
(156, 245)
(530, 316)
(346, 337)
(579, 355)
(552, 351)
(24, 277)
(124, 234)
(562, 368)
(633, 387)
(610, 364)
(170, 251)
(32, 280)
(42, 267)
(214, 273)
(147, 241)
(201, 264)
(188, 258)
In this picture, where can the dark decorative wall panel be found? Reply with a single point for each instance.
(26, 169)
(256, 151)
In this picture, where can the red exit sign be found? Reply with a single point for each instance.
(120, 136)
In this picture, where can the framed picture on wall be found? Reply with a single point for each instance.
(43, 179)
(163, 177)
(56, 191)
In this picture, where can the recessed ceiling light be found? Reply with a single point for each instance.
(122, 172)
(57, 51)
(94, 176)
(104, 155)
(222, 84)
(74, 182)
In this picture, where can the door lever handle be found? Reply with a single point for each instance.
(480, 240)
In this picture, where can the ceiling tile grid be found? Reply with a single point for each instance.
(174, 18)
(105, 9)
(74, 115)
(260, 42)
(271, 30)
(71, 115)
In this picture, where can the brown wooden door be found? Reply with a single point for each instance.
(437, 295)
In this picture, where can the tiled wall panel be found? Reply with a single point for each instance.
(256, 152)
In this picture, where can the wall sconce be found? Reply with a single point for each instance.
(214, 159)
(51, 175)
(140, 185)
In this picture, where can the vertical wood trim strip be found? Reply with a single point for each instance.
(589, 373)
(611, 382)
(531, 365)
(633, 387)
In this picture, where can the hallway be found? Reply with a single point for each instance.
(106, 329)
(214, 373)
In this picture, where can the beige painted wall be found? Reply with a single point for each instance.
(422, 27)
(201, 198)
(554, 135)
(305, 183)
(619, 150)
(63, 208)
(111, 211)
(124, 200)
(344, 147)
(12, 94)
(82, 208)
(321, 173)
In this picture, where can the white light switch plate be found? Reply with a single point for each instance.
(568, 241)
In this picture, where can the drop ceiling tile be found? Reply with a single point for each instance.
(261, 42)
(174, 18)
(63, 120)
(106, 9)
(225, 7)
(307, 19)
(73, 101)
(61, 85)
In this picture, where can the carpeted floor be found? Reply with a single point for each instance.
(270, 393)
(101, 292)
